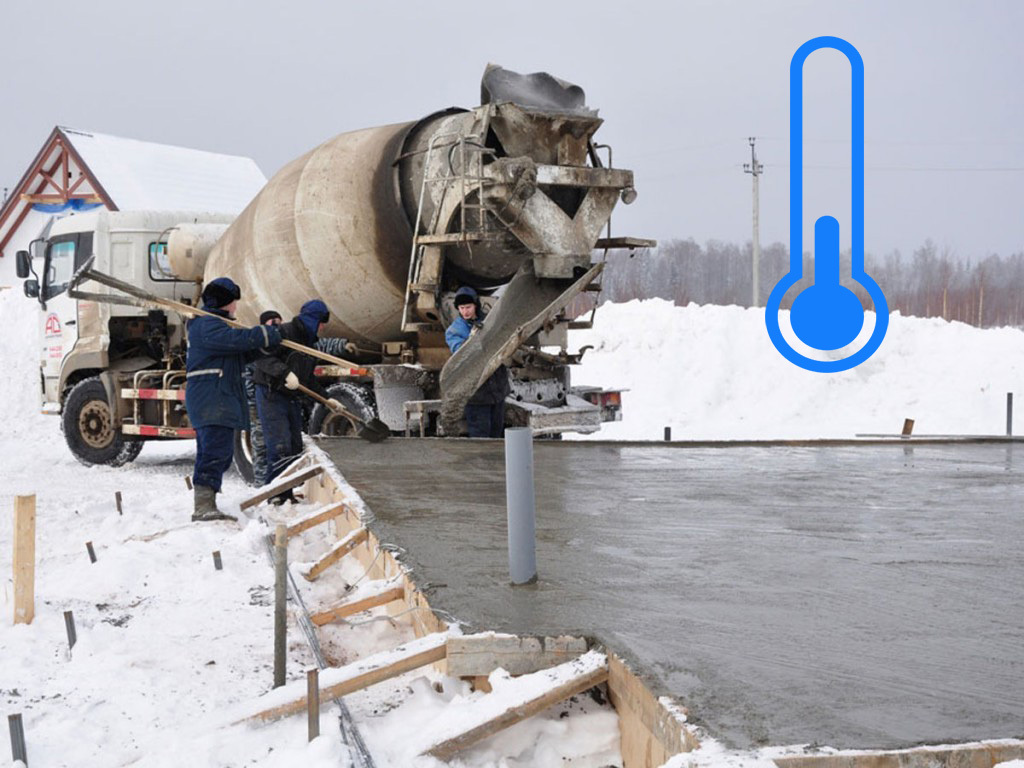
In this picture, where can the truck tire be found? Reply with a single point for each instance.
(244, 456)
(354, 398)
(89, 428)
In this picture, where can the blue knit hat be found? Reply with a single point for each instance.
(313, 313)
(316, 308)
(466, 295)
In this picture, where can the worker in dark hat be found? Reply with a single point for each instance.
(485, 411)
(277, 375)
(214, 395)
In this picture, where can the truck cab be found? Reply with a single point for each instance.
(90, 349)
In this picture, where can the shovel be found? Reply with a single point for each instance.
(373, 430)
(142, 298)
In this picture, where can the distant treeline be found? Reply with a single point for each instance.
(987, 292)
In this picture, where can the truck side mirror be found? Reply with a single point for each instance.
(23, 264)
(31, 288)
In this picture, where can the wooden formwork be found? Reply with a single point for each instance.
(650, 731)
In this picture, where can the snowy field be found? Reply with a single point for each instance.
(170, 651)
(711, 373)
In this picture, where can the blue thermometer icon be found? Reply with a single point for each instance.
(827, 315)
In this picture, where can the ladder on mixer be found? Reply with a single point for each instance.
(470, 179)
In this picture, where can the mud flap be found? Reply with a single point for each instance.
(526, 305)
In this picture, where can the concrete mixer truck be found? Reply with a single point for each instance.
(383, 224)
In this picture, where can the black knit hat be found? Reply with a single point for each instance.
(220, 292)
(270, 314)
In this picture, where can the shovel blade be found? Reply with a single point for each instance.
(374, 430)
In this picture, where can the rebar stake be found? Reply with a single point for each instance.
(313, 701)
(17, 738)
(280, 596)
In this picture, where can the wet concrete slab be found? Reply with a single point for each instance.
(850, 596)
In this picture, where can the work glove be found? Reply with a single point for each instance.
(291, 381)
(335, 406)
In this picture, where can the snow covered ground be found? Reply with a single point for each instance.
(168, 647)
(169, 650)
(711, 373)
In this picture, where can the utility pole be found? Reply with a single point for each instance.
(755, 169)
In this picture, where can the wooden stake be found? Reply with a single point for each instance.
(188, 482)
(24, 559)
(280, 596)
(117, 500)
(216, 561)
(313, 702)
(92, 552)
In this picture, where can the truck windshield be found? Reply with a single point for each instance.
(60, 266)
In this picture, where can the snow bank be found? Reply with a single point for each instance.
(711, 372)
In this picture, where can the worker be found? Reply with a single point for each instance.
(256, 443)
(277, 375)
(485, 411)
(214, 394)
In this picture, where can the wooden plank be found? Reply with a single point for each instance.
(650, 732)
(338, 551)
(282, 485)
(349, 607)
(315, 518)
(979, 754)
(565, 680)
(479, 655)
(341, 681)
(24, 559)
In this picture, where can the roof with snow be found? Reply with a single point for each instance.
(78, 170)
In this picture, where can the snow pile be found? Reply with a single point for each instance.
(20, 400)
(712, 373)
(578, 732)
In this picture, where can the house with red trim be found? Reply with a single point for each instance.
(78, 171)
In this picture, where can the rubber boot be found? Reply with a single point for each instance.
(206, 505)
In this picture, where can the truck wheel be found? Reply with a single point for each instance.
(244, 456)
(89, 428)
(322, 421)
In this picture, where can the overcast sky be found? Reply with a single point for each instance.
(680, 85)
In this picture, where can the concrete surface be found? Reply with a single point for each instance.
(856, 597)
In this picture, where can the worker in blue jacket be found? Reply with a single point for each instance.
(214, 394)
(277, 375)
(485, 411)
